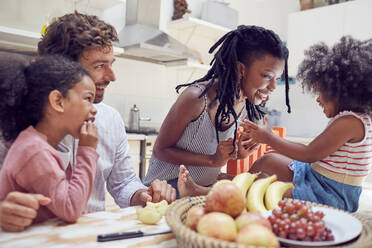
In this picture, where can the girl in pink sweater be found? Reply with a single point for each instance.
(40, 104)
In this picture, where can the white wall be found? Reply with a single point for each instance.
(151, 86)
(271, 14)
(306, 28)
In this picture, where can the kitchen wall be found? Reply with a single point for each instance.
(305, 28)
(151, 86)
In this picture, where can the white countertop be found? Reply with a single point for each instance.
(83, 233)
(136, 136)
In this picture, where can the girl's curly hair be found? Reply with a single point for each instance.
(70, 34)
(342, 73)
(24, 89)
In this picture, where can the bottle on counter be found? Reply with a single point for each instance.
(134, 118)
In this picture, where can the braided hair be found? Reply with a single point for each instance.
(243, 44)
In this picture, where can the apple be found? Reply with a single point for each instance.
(193, 216)
(251, 217)
(217, 225)
(257, 235)
(225, 197)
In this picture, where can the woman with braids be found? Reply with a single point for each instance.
(330, 170)
(42, 103)
(200, 128)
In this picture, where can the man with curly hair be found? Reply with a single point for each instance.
(88, 40)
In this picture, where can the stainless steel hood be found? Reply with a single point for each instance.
(142, 39)
(18, 41)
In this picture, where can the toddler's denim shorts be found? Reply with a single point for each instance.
(314, 187)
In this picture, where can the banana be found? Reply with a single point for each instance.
(255, 197)
(274, 193)
(244, 181)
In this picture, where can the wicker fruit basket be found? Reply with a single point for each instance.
(176, 215)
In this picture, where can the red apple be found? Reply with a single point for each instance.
(217, 225)
(193, 216)
(257, 235)
(225, 197)
(249, 218)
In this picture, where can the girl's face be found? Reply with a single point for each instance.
(330, 107)
(79, 105)
(259, 79)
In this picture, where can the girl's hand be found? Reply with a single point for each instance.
(88, 135)
(259, 134)
(224, 152)
(246, 146)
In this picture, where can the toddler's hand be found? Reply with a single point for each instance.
(88, 135)
(257, 133)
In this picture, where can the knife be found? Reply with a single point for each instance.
(128, 235)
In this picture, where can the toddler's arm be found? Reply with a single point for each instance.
(342, 130)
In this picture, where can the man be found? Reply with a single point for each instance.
(88, 40)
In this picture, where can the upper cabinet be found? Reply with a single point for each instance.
(17, 40)
(184, 29)
(198, 35)
(99, 4)
(327, 24)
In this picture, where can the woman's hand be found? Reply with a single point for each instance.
(224, 152)
(258, 134)
(88, 135)
(246, 146)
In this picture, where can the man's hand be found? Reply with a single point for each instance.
(19, 209)
(161, 190)
(158, 191)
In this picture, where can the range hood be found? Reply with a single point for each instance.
(18, 41)
(142, 39)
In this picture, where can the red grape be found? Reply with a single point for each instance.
(296, 220)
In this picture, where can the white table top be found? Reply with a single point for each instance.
(83, 233)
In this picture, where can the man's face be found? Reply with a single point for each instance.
(98, 62)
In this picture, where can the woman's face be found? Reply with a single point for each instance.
(79, 105)
(330, 107)
(259, 79)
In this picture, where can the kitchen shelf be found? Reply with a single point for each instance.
(192, 65)
(17, 40)
(101, 4)
(194, 26)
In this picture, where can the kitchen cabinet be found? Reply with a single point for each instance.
(99, 4)
(17, 40)
(327, 24)
(197, 34)
(25, 42)
(305, 28)
(135, 143)
(188, 26)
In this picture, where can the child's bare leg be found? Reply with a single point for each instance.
(187, 186)
(273, 163)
